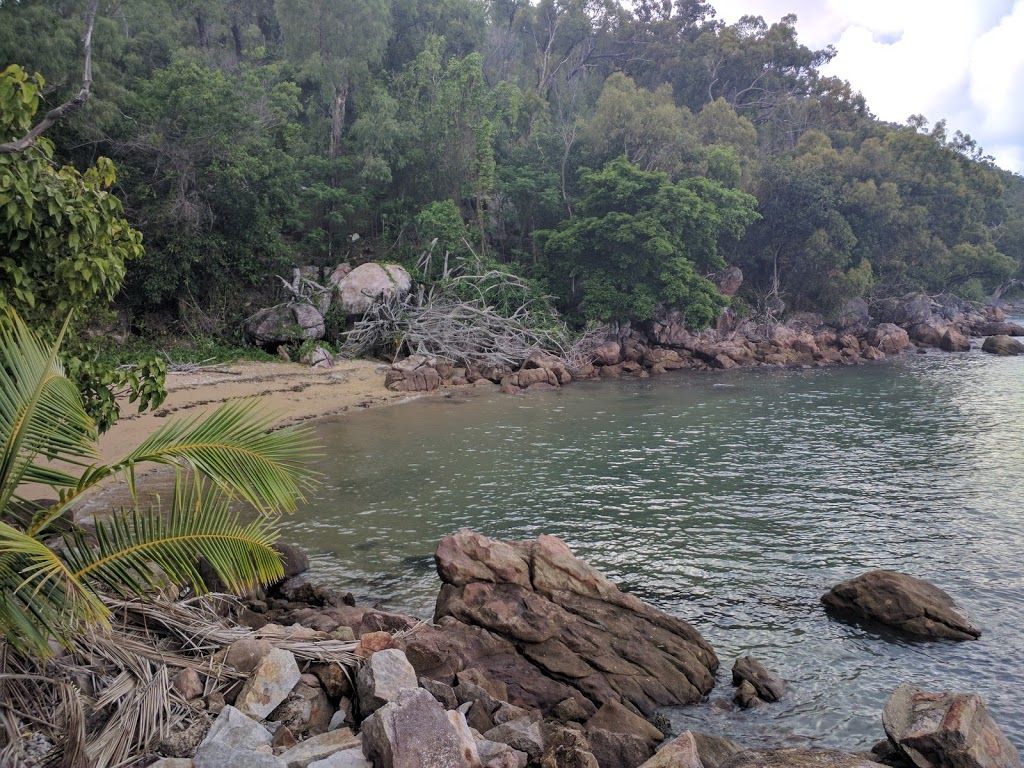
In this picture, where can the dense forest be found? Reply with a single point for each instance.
(613, 154)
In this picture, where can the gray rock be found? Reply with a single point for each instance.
(768, 685)
(223, 756)
(236, 730)
(367, 283)
(381, 678)
(1002, 345)
(946, 730)
(715, 751)
(349, 758)
(246, 654)
(494, 754)
(320, 747)
(900, 601)
(523, 734)
(412, 731)
(285, 324)
(440, 691)
(618, 750)
(854, 315)
(681, 752)
(746, 696)
(797, 758)
(305, 709)
(173, 762)
(269, 684)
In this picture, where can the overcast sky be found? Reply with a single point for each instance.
(959, 61)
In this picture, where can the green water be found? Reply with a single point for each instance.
(732, 499)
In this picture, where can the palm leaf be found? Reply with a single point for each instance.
(41, 411)
(234, 447)
(200, 523)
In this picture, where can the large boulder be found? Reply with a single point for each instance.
(368, 283)
(284, 324)
(889, 338)
(987, 328)
(855, 315)
(411, 732)
(1002, 345)
(269, 684)
(910, 310)
(553, 628)
(728, 281)
(384, 675)
(946, 730)
(954, 341)
(681, 752)
(902, 602)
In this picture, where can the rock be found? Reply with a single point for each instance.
(1002, 345)
(284, 324)
(295, 560)
(235, 729)
(367, 283)
(223, 756)
(269, 684)
(768, 685)
(548, 362)
(746, 696)
(348, 758)
(466, 737)
(912, 309)
(282, 736)
(569, 710)
(382, 677)
(183, 741)
(246, 654)
(608, 353)
(927, 334)
(567, 748)
(187, 683)
(423, 379)
(796, 758)
(305, 710)
(681, 752)
(614, 717)
(728, 281)
(888, 338)
(523, 734)
(997, 329)
(900, 601)
(714, 751)
(467, 556)
(470, 693)
(319, 747)
(618, 750)
(333, 678)
(556, 629)
(854, 315)
(494, 754)
(954, 341)
(173, 762)
(946, 730)
(440, 691)
(411, 732)
(496, 689)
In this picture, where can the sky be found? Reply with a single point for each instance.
(959, 61)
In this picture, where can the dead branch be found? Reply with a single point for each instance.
(58, 113)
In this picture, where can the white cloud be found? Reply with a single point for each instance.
(963, 62)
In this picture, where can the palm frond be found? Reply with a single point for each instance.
(40, 597)
(41, 411)
(201, 522)
(235, 448)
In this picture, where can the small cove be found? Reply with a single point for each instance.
(733, 500)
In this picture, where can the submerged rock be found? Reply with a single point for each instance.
(797, 758)
(946, 730)
(900, 601)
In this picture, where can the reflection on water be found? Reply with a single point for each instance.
(734, 500)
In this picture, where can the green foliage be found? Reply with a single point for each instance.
(641, 241)
(53, 594)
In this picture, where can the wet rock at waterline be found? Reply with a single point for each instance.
(767, 685)
(946, 730)
(900, 601)
(551, 627)
(1002, 345)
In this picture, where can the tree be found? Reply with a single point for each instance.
(641, 241)
(55, 593)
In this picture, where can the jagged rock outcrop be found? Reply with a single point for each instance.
(902, 602)
(946, 730)
(551, 627)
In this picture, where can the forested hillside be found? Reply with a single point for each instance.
(617, 154)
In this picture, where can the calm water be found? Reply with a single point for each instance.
(733, 500)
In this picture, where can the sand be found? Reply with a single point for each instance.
(295, 393)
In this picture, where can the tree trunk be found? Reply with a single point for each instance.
(338, 118)
(204, 37)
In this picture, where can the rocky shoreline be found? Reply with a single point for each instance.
(862, 333)
(534, 658)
